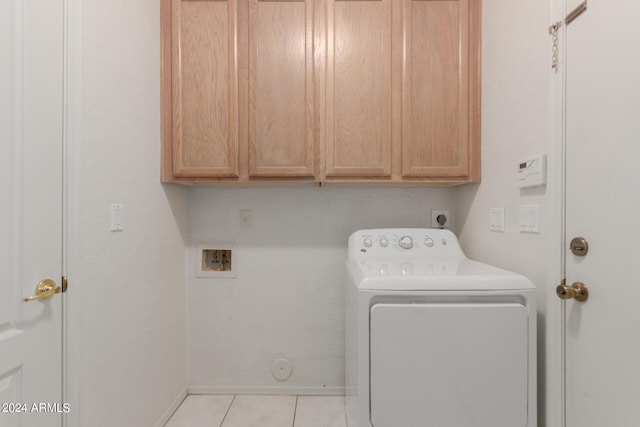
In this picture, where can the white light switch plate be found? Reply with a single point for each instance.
(529, 218)
(496, 219)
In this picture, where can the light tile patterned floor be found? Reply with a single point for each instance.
(259, 411)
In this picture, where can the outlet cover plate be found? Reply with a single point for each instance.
(434, 218)
(245, 218)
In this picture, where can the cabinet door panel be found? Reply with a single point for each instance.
(204, 83)
(281, 88)
(435, 98)
(358, 88)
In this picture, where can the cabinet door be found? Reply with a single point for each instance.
(281, 88)
(358, 88)
(437, 123)
(204, 88)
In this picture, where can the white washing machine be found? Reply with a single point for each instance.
(433, 338)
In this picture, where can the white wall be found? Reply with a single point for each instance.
(287, 300)
(516, 123)
(237, 327)
(126, 303)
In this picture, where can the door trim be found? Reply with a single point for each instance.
(555, 390)
(71, 236)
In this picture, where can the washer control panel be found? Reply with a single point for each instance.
(403, 242)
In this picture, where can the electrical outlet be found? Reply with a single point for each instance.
(245, 218)
(438, 216)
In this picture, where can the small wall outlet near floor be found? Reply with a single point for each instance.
(216, 260)
(440, 219)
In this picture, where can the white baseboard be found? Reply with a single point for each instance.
(174, 406)
(268, 390)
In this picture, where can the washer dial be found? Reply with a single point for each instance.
(405, 242)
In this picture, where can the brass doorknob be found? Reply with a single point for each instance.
(578, 291)
(46, 289)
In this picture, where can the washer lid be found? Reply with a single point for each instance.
(453, 273)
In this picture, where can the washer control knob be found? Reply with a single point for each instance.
(384, 242)
(406, 242)
(428, 242)
(368, 242)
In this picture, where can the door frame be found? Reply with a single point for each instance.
(555, 376)
(72, 210)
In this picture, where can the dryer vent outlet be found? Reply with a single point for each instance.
(281, 369)
(440, 219)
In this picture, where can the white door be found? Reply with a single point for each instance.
(31, 105)
(603, 206)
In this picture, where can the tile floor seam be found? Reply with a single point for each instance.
(228, 409)
(295, 409)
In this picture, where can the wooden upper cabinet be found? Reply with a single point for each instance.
(281, 88)
(203, 85)
(403, 90)
(358, 88)
(321, 90)
(440, 93)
